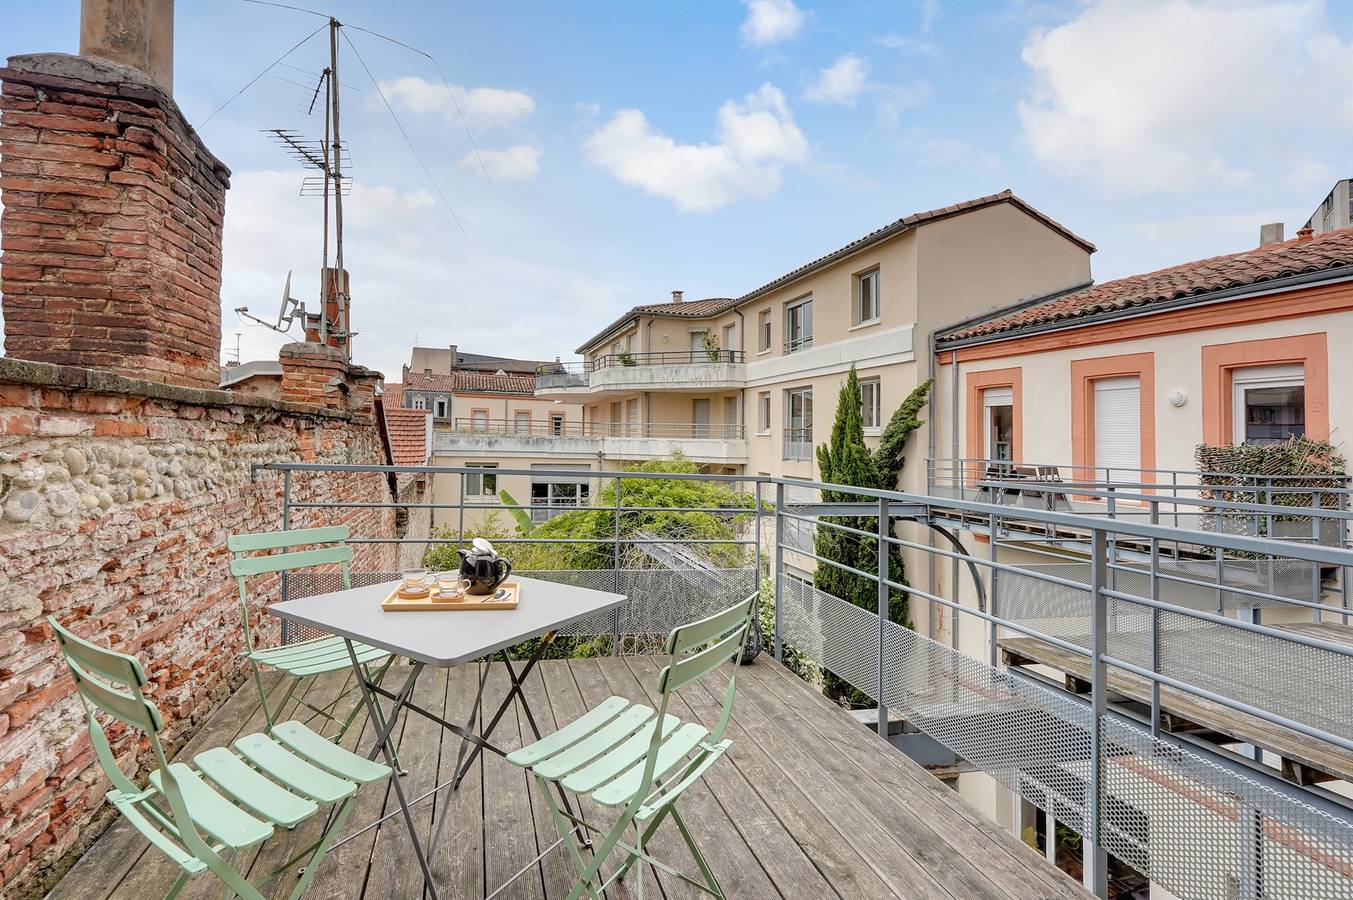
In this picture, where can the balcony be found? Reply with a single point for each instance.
(699, 442)
(798, 443)
(624, 373)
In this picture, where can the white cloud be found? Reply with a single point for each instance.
(519, 163)
(930, 11)
(909, 44)
(894, 98)
(1174, 95)
(771, 21)
(484, 107)
(757, 140)
(841, 82)
(934, 150)
(414, 271)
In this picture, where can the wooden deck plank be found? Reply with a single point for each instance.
(394, 871)
(734, 864)
(990, 863)
(458, 853)
(1244, 728)
(784, 861)
(509, 825)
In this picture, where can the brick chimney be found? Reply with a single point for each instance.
(113, 206)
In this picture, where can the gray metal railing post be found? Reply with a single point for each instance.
(286, 526)
(460, 528)
(1317, 594)
(1342, 543)
(884, 529)
(779, 563)
(1096, 857)
(1174, 490)
(756, 529)
(615, 573)
(993, 599)
(1155, 623)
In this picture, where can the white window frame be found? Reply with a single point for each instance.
(868, 279)
(871, 412)
(420, 403)
(763, 412)
(802, 449)
(995, 398)
(1261, 376)
(474, 482)
(517, 423)
(557, 424)
(441, 407)
(765, 329)
(556, 503)
(803, 307)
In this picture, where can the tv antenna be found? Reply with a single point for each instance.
(328, 158)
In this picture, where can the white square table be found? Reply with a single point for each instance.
(443, 638)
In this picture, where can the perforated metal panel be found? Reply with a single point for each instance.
(1198, 829)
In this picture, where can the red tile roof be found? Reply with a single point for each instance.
(716, 305)
(1330, 251)
(466, 382)
(406, 430)
(906, 223)
(393, 394)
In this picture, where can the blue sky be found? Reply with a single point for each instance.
(637, 148)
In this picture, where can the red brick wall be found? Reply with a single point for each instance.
(116, 498)
(112, 223)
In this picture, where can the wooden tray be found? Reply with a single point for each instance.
(397, 602)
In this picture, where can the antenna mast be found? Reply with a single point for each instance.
(336, 173)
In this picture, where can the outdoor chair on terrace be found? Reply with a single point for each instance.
(303, 659)
(641, 760)
(202, 816)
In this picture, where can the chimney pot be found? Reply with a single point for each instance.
(1305, 233)
(1271, 233)
(676, 296)
(136, 33)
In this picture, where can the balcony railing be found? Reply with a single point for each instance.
(574, 374)
(798, 343)
(1111, 771)
(674, 430)
(798, 443)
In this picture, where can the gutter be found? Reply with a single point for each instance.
(1250, 291)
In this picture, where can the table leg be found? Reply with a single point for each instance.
(383, 746)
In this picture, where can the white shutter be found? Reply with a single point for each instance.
(1002, 396)
(1118, 427)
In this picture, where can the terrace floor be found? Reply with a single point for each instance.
(808, 804)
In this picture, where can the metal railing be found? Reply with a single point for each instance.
(1197, 818)
(798, 443)
(676, 430)
(799, 343)
(690, 357)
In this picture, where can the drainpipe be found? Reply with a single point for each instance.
(742, 392)
(953, 447)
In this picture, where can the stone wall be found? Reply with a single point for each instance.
(112, 223)
(116, 497)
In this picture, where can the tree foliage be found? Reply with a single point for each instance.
(846, 460)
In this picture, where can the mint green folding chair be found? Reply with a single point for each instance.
(641, 760)
(303, 659)
(230, 799)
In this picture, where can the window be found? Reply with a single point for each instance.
(1269, 403)
(556, 424)
(730, 338)
(521, 422)
(730, 417)
(799, 324)
(867, 297)
(763, 411)
(552, 494)
(698, 349)
(871, 403)
(632, 417)
(481, 485)
(998, 430)
(617, 417)
(799, 423)
(442, 407)
(479, 419)
(700, 418)
(764, 327)
(1118, 428)
(420, 403)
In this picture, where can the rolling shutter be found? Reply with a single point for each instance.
(1118, 427)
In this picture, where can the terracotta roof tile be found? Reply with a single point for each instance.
(1332, 250)
(407, 433)
(472, 382)
(686, 309)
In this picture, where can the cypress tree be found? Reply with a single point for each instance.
(846, 460)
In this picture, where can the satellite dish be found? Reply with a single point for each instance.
(284, 319)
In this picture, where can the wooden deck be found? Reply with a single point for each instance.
(808, 804)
